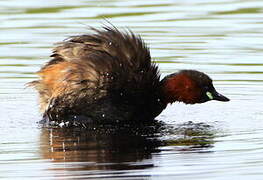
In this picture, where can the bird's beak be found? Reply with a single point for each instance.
(217, 96)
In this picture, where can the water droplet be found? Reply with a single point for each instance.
(61, 124)
(67, 123)
(84, 125)
(63, 146)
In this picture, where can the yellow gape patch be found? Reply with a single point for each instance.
(209, 95)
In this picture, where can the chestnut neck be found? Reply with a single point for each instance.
(180, 87)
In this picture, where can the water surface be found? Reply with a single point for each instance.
(214, 140)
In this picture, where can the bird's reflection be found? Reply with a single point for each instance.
(120, 147)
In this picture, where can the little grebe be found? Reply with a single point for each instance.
(109, 75)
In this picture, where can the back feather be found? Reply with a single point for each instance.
(93, 66)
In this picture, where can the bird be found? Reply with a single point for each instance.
(108, 75)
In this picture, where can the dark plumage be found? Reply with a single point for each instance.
(109, 76)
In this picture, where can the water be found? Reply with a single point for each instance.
(208, 141)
